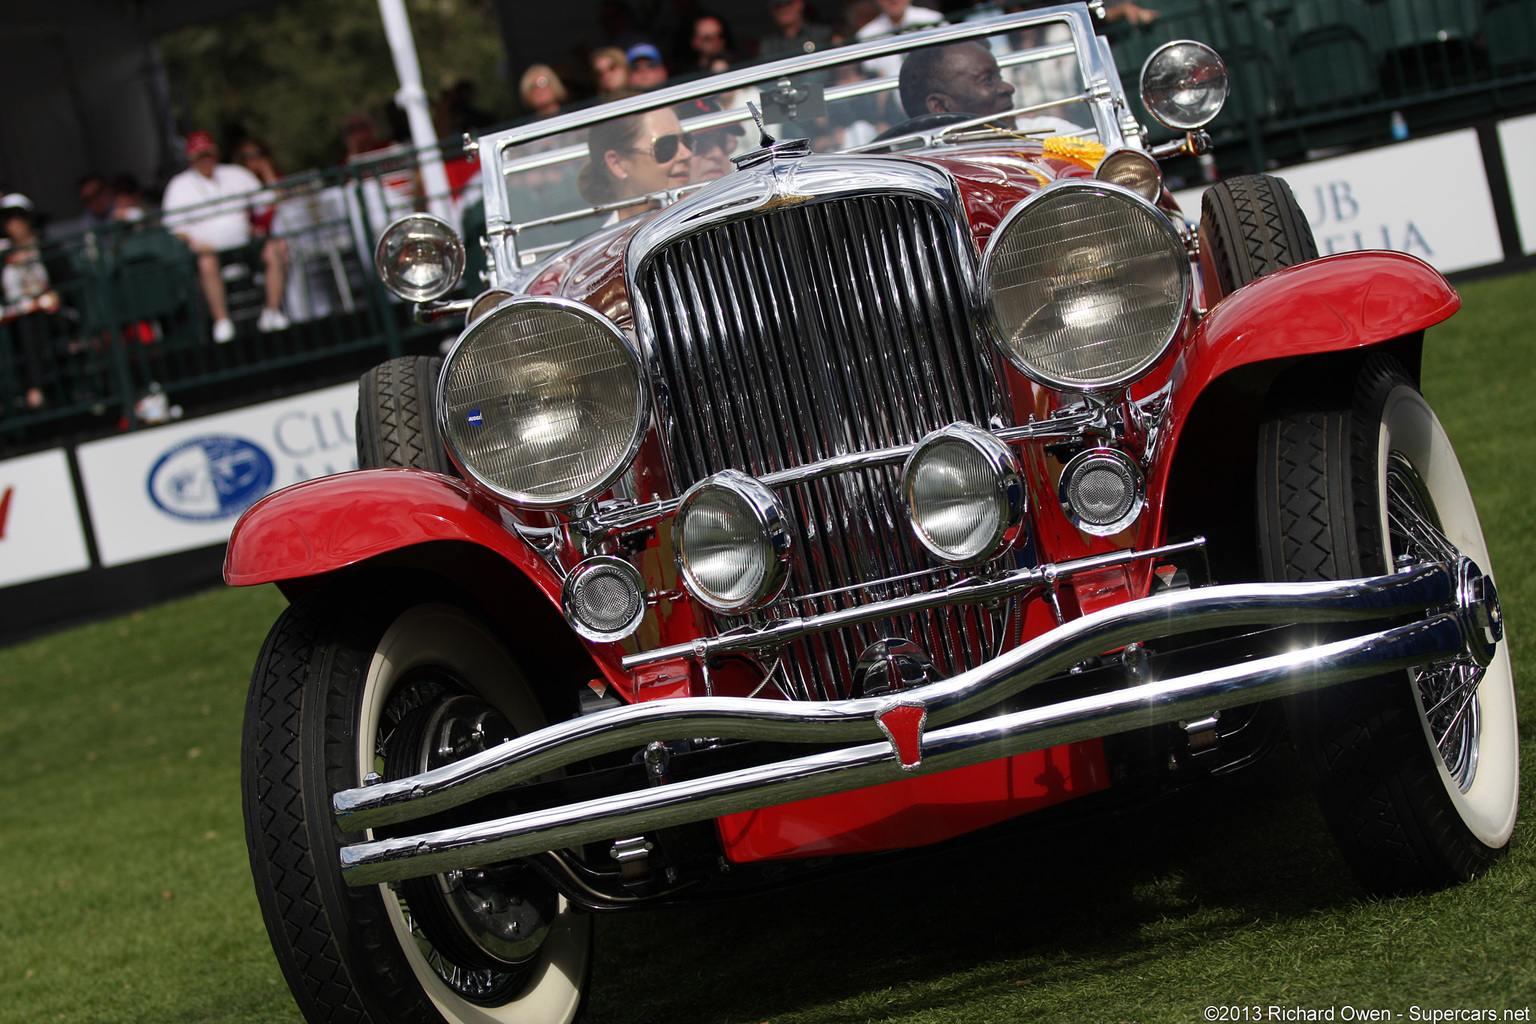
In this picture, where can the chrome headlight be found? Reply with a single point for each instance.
(541, 400)
(1087, 285)
(420, 257)
(965, 494)
(1184, 84)
(733, 543)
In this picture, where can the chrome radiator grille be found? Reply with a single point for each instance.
(814, 331)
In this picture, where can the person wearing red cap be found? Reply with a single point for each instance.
(210, 206)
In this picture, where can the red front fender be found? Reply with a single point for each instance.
(1351, 300)
(1335, 304)
(322, 525)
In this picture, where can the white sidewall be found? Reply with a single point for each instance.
(1409, 426)
(442, 634)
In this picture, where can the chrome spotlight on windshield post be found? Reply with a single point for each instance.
(1184, 84)
(420, 257)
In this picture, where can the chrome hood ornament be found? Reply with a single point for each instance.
(769, 148)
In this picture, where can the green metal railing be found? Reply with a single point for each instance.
(132, 320)
(1313, 75)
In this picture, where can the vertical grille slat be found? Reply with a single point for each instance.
(811, 331)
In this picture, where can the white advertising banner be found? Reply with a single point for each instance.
(1517, 138)
(40, 530)
(1428, 198)
(182, 486)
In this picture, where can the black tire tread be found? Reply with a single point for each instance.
(324, 933)
(1254, 227)
(396, 416)
(1361, 745)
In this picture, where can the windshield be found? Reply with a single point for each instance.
(1019, 76)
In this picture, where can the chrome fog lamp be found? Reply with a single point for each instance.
(1134, 170)
(1102, 491)
(541, 401)
(965, 494)
(1087, 285)
(603, 599)
(420, 257)
(1184, 84)
(733, 542)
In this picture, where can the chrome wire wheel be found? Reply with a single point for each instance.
(1416, 772)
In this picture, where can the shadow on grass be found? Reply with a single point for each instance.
(1042, 907)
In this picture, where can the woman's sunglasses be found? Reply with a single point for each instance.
(664, 148)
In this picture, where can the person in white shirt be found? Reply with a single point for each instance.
(963, 78)
(209, 206)
(895, 16)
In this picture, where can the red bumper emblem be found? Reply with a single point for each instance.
(903, 725)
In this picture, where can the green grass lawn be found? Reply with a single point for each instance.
(125, 895)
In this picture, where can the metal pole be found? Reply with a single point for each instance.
(412, 98)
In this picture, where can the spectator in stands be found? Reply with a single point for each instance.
(256, 158)
(29, 295)
(95, 201)
(712, 147)
(710, 49)
(360, 134)
(898, 16)
(128, 203)
(895, 16)
(209, 206)
(610, 72)
(646, 70)
(635, 156)
(541, 90)
(795, 36)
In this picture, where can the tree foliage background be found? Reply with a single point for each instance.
(288, 74)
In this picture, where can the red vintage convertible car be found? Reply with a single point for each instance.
(847, 454)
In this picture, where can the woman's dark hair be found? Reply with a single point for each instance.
(595, 181)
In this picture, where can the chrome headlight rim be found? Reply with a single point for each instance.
(576, 499)
(1009, 493)
(1151, 172)
(773, 532)
(1137, 482)
(610, 564)
(1116, 193)
(453, 266)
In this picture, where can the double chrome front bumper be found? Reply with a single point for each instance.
(1449, 610)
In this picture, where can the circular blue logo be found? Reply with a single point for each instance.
(210, 478)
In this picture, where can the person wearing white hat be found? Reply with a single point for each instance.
(28, 291)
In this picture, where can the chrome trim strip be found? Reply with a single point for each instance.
(963, 592)
(520, 760)
(608, 522)
(872, 763)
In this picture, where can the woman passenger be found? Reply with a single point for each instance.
(635, 156)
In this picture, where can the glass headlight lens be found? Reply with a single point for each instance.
(1132, 169)
(965, 494)
(1087, 285)
(733, 543)
(419, 257)
(1184, 84)
(541, 400)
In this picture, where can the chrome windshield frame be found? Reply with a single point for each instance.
(1099, 82)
